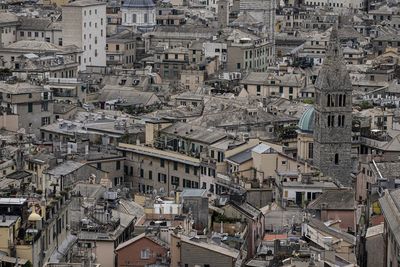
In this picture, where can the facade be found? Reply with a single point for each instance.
(248, 52)
(187, 251)
(33, 105)
(8, 24)
(333, 116)
(149, 169)
(44, 30)
(84, 25)
(141, 251)
(121, 50)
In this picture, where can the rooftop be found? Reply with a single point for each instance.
(334, 200)
(20, 88)
(195, 133)
(83, 3)
(169, 155)
(33, 45)
(65, 168)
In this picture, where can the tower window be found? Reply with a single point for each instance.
(331, 120)
(344, 100)
(336, 158)
(341, 120)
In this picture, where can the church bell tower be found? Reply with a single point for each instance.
(333, 115)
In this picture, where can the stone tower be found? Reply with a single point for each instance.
(333, 118)
(223, 13)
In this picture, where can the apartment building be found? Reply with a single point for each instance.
(40, 29)
(84, 25)
(33, 104)
(247, 51)
(8, 23)
(150, 169)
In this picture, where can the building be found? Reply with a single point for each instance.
(8, 24)
(121, 49)
(333, 116)
(389, 204)
(33, 104)
(264, 11)
(336, 205)
(247, 51)
(375, 245)
(149, 169)
(191, 251)
(84, 25)
(40, 29)
(139, 14)
(39, 59)
(269, 85)
(195, 201)
(142, 250)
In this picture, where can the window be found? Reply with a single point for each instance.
(281, 89)
(162, 163)
(146, 18)
(175, 166)
(145, 254)
(162, 178)
(310, 150)
(45, 106)
(22, 33)
(60, 42)
(30, 107)
(141, 173)
(150, 175)
(133, 18)
(187, 168)
(117, 47)
(118, 165)
(36, 34)
(175, 180)
(29, 34)
(337, 159)
(290, 90)
(45, 121)
(98, 165)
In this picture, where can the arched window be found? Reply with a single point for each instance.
(336, 158)
(344, 100)
(340, 100)
(329, 101)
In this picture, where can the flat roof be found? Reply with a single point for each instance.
(164, 154)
